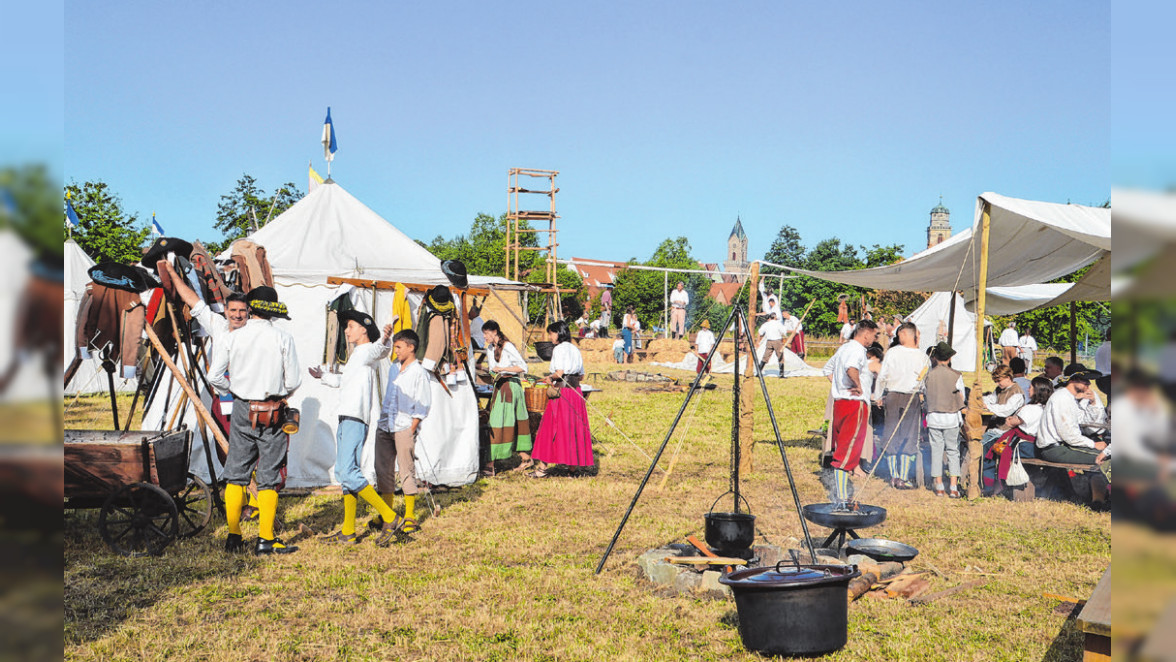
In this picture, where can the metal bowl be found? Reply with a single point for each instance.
(544, 349)
(836, 517)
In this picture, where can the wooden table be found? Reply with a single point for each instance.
(1095, 621)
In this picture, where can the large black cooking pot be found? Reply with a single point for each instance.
(792, 609)
(730, 533)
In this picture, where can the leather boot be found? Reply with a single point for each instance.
(275, 546)
(234, 544)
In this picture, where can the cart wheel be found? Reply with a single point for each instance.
(139, 519)
(194, 504)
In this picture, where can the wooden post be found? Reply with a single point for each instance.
(201, 411)
(976, 431)
(951, 319)
(1073, 332)
(666, 303)
(747, 392)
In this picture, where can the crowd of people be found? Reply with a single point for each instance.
(1056, 416)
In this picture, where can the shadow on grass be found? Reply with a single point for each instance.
(103, 589)
(1068, 645)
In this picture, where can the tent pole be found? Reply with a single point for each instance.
(951, 319)
(1073, 332)
(666, 303)
(975, 404)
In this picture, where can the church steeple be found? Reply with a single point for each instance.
(940, 228)
(736, 259)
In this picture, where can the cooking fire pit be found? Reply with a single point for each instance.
(844, 519)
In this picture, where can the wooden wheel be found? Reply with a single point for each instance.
(194, 505)
(138, 520)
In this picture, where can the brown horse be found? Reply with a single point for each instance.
(39, 324)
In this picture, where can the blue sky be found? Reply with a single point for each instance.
(664, 118)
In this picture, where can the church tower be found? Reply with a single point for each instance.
(940, 228)
(736, 259)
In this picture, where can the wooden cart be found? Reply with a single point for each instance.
(141, 482)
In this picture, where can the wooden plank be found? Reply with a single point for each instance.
(1035, 462)
(1095, 617)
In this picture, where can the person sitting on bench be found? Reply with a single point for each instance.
(1060, 438)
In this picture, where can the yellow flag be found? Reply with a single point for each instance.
(315, 179)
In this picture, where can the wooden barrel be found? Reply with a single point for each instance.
(536, 398)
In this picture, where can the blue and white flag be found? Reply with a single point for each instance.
(155, 226)
(71, 216)
(329, 146)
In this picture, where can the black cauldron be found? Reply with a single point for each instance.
(730, 534)
(792, 609)
(544, 349)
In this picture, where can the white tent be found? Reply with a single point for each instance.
(89, 378)
(933, 317)
(331, 233)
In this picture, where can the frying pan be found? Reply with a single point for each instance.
(882, 550)
(835, 517)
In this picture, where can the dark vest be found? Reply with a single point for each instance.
(942, 395)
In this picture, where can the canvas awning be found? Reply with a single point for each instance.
(1030, 242)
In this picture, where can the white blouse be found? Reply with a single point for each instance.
(567, 358)
(510, 358)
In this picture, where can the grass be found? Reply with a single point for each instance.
(505, 571)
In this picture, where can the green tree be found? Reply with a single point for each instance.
(35, 203)
(247, 207)
(646, 290)
(105, 231)
(786, 249)
(483, 250)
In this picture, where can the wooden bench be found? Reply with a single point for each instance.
(1095, 621)
(1028, 491)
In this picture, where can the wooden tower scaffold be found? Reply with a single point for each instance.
(521, 222)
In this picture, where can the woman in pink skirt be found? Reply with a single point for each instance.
(563, 437)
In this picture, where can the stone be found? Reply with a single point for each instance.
(768, 555)
(687, 581)
(711, 587)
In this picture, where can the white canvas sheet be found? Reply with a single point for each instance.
(932, 319)
(1029, 242)
(794, 366)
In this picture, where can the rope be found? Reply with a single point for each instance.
(681, 439)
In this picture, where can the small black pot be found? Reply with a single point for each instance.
(792, 610)
(730, 534)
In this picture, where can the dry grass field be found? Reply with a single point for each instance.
(505, 571)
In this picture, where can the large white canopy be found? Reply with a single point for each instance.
(1030, 242)
(329, 232)
(1145, 230)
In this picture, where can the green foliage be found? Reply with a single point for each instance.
(247, 207)
(1051, 326)
(646, 290)
(572, 302)
(36, 206)
(105, 231)
(483, 250)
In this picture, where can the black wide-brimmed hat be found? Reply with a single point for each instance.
(264, 300)
(440, 295)
(162, 247)
(455, 271)
(943, 352)
(363, 319)
(122, 277)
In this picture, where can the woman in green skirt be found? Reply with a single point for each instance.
(510, 423)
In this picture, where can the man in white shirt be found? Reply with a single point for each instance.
(897, 388)
(264, 373)
(851, 405)
(1059, 437)
(794, 329)
(773, 332)
(356, 383)
(679, 300)
(1052, 369)
(1028, 346)
(1009, 342)
(846, 332)
(407, 401)
(704, 344)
